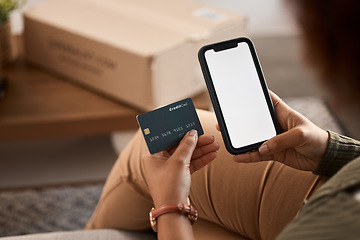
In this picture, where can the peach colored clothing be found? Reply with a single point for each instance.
(235, 201)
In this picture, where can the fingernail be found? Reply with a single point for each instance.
(264, 149)
(193, 132)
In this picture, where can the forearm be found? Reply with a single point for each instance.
(174, 226)
(341, 150)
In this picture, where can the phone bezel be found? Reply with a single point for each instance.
(214, 98)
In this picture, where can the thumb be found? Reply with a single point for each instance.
(186, 147)
(289, 139)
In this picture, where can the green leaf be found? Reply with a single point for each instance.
(6, 6)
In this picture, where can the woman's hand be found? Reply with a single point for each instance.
(302, 144)
(168, 173)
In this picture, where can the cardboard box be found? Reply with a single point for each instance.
(142, 52)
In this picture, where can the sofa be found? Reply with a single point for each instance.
(86, 235)
(313, 108)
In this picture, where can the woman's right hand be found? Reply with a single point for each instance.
(302, 144)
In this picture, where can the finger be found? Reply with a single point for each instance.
(274, 96)
(282, 110)
(203, 150)
(201, 162)
(186, 147)
(202, 141)
(293, 138)
(217, 127)
(252, 157)
(172, 150)
(205, 140)
(162, 155)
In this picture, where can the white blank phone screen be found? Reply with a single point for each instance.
(240, 95)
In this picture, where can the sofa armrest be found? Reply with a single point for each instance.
(97, 234)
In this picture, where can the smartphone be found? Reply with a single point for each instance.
(239, 94)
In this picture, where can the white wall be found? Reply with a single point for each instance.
(266, 17)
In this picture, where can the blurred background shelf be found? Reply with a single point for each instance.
(53, 131)
(82, 150)
(41, 105)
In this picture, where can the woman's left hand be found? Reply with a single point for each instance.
(168, 173)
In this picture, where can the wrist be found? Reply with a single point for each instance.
(174, 226)
(181, 208)
(167, 201)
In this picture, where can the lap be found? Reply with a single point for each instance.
(254, 200)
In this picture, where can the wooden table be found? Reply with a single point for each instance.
(39, 104)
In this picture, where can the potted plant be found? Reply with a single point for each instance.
(7, 45)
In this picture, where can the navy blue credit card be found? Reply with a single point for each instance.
(166, 126)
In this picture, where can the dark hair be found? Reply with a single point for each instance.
(331, 31)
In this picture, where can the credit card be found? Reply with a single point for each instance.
(166, 126)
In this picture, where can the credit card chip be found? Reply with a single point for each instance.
(146, 131)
